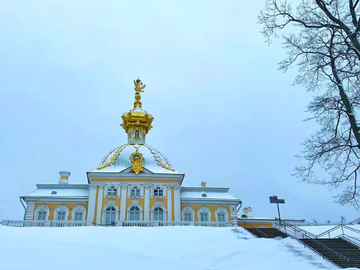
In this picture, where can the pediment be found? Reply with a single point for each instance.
(130, 171)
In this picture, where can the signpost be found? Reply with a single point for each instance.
(274, 199)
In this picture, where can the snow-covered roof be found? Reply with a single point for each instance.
(206, 193)
(60, 191)
(118, 160)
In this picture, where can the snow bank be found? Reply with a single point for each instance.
(175, 248)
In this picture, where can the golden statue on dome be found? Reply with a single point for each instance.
(139, 87)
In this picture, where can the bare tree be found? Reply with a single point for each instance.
(342, 220)
(324, 43)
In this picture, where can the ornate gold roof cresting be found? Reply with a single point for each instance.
(139, 87)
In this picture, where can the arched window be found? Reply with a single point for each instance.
(78, 213)
(110, 215)
(135, 192)
(112, 191)
(222, 215)
(204, 214)
(137, 134)
(61, 213)
(188, 214)
(42, 212)
(158, 192)
(134, 213)
(158, 214)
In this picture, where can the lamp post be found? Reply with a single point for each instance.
(274, 199)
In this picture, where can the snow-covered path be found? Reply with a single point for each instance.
(175, 248)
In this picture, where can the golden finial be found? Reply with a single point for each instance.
(139, 87)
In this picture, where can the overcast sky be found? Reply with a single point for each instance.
(223, 111)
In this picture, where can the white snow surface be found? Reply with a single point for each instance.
(175, 248)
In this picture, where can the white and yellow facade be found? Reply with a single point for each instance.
(134, 184)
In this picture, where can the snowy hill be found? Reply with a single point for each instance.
(175, 248)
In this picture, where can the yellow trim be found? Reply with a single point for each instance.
(64, 177)
(96, 204)
(172, 204)
(134, 180)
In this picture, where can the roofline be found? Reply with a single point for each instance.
(85, 198)
(62, 186)
(118, 175)
(221, 189)
(207, 200)
(240, 219)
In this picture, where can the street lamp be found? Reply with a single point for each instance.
(274, 199)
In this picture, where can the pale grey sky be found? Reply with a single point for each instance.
(223, 112)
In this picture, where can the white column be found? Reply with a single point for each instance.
(147, 202)
(123, 202)
(177, 203)
(91, 204)
(99, 206)
(169, 204)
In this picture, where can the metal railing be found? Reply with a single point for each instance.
(339, 227)
(297, 234)
(51, 223)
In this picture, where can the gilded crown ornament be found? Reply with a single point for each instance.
(137, 122)
(136, 159)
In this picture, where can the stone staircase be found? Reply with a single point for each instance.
(266, 232)
(350, 252)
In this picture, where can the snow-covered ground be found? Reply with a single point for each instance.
(320, 229)
(175, 248)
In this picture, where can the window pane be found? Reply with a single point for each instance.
(61, 216)
(187, 216)
(160, 192)
(78, 216)
(221, 217)
(204, 217)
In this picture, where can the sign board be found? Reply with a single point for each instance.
(274, 199)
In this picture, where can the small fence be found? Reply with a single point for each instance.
(50, 223)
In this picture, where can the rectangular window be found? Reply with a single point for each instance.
(187, 216)
(41, 215)
(203, 217)
(78, 216)
(61, 216)
(158, 192)
(135, 192)
(109, 218)
(221, 217)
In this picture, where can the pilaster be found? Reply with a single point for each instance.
(91, 206)
(147, 202)
(169, 204)
(177, 203)
(99, 206)
(123, 202)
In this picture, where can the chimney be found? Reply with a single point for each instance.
(203, 184)
(64, 177)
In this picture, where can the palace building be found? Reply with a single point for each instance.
(134, 185)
